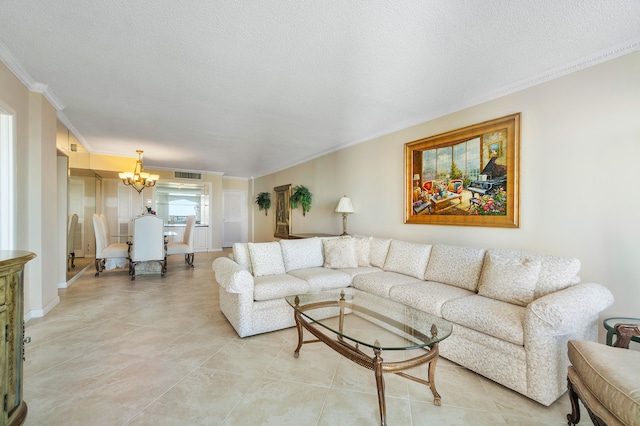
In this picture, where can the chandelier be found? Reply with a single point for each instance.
(139, 179)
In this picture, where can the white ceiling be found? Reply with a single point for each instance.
(248, 87)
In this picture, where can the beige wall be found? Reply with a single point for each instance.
(37, 193)
(580, 151)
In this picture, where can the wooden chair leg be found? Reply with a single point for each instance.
(132, 270)
(189, 259)
(574, 417)
(99, 268)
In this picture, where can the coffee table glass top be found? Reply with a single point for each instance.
(400, 327)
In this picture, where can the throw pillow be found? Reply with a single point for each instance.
(339, 253)
(266, 259)
(363, 250)
(301, 254)
(510, 280)
(379, 250)
(408, 258)
(241, 255)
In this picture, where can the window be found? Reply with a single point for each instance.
(458, 161)
(7, 183)
(176, 201)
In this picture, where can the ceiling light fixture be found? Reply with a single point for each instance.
(138, 179)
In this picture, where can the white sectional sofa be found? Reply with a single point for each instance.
(513, 312)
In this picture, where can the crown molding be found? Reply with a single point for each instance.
(582, 63)
(17, 68)
(27, 79)
(64, 120)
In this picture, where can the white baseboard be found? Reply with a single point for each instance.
(39, 313)
(74, 278)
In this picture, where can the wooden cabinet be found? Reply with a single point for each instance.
(174, 234)
(12, 329)
(201, 239)
(200, 236)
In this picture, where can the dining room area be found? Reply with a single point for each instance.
(115, 222)
(145, 249)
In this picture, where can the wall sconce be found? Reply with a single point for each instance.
(345, 207)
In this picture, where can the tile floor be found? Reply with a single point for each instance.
(159, 352)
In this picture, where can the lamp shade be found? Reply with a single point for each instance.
(344, 205)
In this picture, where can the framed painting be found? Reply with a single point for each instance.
(283, 211)
(468, 176)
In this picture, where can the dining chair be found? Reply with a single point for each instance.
(116, 253)
(186, 245)
(148, 243)
(71, 239)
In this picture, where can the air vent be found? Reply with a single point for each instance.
(187, 175)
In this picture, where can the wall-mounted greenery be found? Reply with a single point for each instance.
(263, 200)
(303, 197)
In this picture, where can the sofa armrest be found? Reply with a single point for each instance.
(568, 309)
(231, 276)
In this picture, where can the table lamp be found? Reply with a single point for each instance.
(345, 207)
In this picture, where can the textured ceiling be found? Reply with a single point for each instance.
(246, 87)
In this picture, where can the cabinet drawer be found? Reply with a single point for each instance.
(3, 290)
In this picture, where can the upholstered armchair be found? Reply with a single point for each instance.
(148, 243)
(455, 186)
(606, 379)
(430, 185)
(185, 246)
(118, 253)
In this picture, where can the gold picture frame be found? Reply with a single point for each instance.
(283, 211)
(469, 176)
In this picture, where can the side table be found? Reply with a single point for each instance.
(610, 323)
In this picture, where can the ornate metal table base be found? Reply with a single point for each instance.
(353, 353)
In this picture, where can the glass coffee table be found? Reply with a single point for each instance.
(352, 322)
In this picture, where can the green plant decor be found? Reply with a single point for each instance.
(263, 200)
(301, 196)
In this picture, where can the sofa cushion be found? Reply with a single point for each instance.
(511, 280)
(427, 296)
(407, 258)
(380, 283)
(379, 249)
(322, 278)
(458, 266)
(242, 256)
(360, 270)
(363, 250)
(302, 253)
(611, 374)
(269, 287)
(556, 272)
(340, 253)
(266, 259)
(489, 316)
